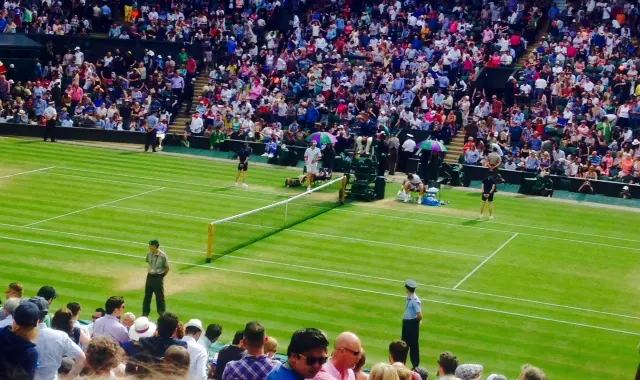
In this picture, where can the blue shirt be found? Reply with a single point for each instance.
(106, 11)
(284, 373)
(414, 306)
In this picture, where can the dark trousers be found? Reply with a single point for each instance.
(152, 140)
(50, 130)
(154, 284)
(392, 160)
(411, 335)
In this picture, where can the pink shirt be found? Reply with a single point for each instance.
(330, 372)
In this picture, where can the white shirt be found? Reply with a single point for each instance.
(52, 345)
(199, 357)
(50, 112)
(409, 145)
(541, 83)
(312, 155)
(8, 321)
(196, 125)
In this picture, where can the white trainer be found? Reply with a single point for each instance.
(245, 186)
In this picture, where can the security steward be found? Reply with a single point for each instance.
(50, 116)
(158, 269)
(411, 322)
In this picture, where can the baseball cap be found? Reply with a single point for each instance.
(27, 315)
(194, 323)
(47, 292)
(142, 328)
(41, 304)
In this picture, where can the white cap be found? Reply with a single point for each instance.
(194, 323)
(142, 328)
(625, 188)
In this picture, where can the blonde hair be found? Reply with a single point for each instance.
(403, 372)
(176, 361)
(27, 333)
(383, 371)
(271, 346)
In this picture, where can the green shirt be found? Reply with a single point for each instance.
(28, 16)
(183, 58)
(157, 262)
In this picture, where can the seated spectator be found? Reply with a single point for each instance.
(359, 368)
(447, 365)
(398, 353)
(271, 347)
(110, 325)
(176, 362)
(103, 356)
(142, 328)
(197, 353)
(128, 320)
(63, 321)
(18, 353)
(210, 336)
(530, 372)
(234, 351)
(383, 371)
(8, 310)
(469, 372)
(255, 364)
(98, 313)
(306, 354)
(343, 360)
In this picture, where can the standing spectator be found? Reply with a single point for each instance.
(8, 310)
(158, 268)
(53, 346)
(98, 313)
(18, 353)
(176, 362)
(530, 372)
(306, 354)
(110, 325)
(210, 336)
(229, 353)
(411, 322)
(255, 365)
(49, 294)
(103, 355)
(343, 360)
(198, 355)
(447, 365)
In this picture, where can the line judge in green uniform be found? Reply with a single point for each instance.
(158, 268)
(411, 322)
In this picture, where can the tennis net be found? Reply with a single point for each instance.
(235, 232)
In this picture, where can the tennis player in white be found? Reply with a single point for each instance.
(311, 157)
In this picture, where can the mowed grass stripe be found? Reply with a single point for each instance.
(466, 298)
(491, 337)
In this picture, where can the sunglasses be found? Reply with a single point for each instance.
(355, 353)
(311, 360)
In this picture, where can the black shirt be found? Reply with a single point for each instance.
(487, 185)
(243, 154)
(226, 355)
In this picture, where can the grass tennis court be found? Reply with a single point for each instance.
(559, 287)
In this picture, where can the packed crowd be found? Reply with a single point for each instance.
(573, 110)
(117, 92)
(38, 343)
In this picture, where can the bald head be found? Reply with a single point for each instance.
(347, 351)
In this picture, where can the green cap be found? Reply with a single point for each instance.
(154, 242)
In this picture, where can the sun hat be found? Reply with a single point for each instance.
(194, 323)
(142, 328)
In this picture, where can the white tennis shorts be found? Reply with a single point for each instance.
(312, 168)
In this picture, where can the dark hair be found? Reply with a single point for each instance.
(213, 332)
(74, 307)
(237, 337)
(424, 374)
(191, 330)
(449, 362)
(63, 320)
(114, 302)
(101, 311)
(254, 334)
(307, 339)
(398, 350)
(167, 324)
(16, 287)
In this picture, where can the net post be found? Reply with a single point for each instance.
(343, 189)
(211, 239)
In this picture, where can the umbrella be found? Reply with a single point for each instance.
(322, 138)
(433, 145)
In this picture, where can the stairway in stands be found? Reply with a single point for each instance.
(184, 115)
(455, 148)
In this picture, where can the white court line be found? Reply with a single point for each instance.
(493, 222)
(30, 171)
(332, 271)
(386, 216)
(485, 261)
(560, 321)
(302, 232)
(92, 207)
(344, 210)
